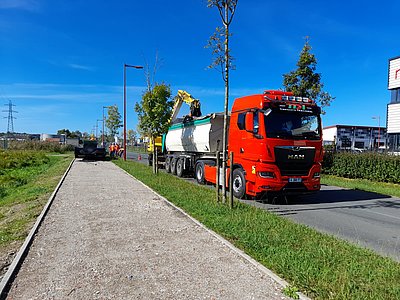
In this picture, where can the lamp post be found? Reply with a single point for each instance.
(126, 66)
(97, 126)
(379, 128)
(102, 137)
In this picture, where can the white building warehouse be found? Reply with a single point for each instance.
(350, 137)
(393, 108)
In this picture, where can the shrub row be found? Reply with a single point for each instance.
(371, 166)
(19, 159)
(40, 146)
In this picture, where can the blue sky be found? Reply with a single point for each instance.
(62, 61)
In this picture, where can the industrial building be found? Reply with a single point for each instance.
(351, 137)
(393, 108)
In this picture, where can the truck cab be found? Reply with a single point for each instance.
(276, 139)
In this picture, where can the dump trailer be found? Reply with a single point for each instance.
(90, 150)
(276, 139)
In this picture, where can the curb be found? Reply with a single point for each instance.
(8, 278)
(283, 283)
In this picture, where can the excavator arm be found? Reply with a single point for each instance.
(180, 98)
(184, 96)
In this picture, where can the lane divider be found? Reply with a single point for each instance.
(8, 278)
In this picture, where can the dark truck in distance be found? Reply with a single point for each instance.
(90, 150)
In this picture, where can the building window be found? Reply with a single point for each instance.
(359, 145)
(395, 96)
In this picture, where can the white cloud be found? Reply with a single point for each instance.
(80, 67)
(30, 5)
(89, 93)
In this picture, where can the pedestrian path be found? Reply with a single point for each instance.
(107, 236)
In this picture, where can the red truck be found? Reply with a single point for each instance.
(276, 139)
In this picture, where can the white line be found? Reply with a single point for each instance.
(390, 216)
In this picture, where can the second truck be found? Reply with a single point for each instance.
(276, 138)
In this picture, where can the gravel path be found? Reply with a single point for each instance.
(107, 236)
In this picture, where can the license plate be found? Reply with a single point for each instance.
(295, 180)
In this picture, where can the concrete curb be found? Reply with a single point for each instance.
(239, 252)
(23, 251)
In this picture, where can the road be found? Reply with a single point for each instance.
(368, 219)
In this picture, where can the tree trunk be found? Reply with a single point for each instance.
(225, 133)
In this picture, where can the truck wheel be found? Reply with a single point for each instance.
(239, 184)
(199, 172)
(168, 165)
(179, 167)
(173, 165)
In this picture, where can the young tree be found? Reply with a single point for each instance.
(222, 60)
(154, 112)
(76, 134)
(67, 132)
(131, 136)
(304, 81)
(113, 120)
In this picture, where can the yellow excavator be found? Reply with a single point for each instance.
(195, 112)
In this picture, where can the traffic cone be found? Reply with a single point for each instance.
(139, 157)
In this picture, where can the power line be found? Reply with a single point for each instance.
(10, 125)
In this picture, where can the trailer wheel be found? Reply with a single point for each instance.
(179, 167)
(199, 172)
(239, 184)
(173, 165)
(168, 164)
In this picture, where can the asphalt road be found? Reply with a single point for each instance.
(368, 219)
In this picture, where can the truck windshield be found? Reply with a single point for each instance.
(293, 125)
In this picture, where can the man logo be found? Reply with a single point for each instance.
(296, 156)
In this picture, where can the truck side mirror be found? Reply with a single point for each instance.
(249, 122)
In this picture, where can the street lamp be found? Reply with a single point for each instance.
(126, 66)
(102, 136)
(379, 128)
(97, 126)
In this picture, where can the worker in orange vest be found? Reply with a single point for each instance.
(116, 149)
(112, 150)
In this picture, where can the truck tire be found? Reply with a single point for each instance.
(180, 167)
(168, 164)
(199, 173)
(239, 183)
(173, 165)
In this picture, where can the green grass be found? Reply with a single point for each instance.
(363, 184)
(321, 266)
(23, 193)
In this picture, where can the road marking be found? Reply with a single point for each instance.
(390, 216)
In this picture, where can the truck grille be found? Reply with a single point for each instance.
(294, 161)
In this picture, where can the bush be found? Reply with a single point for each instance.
(370, 165)
(11, 159)
(40, 146)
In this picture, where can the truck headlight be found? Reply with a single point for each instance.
(266, 174)
(317, 175)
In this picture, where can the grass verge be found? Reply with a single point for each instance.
(25, 190)
(384, 188)
(320, 265)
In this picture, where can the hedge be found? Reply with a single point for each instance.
(372, 166)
